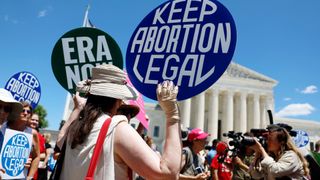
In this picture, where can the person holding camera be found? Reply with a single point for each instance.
(242, 161)
(283, 160)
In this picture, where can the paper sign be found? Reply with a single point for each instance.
(15, 152)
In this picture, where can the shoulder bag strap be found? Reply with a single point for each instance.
(97, 149)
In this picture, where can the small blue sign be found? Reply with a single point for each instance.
(15, 154)
(24, 86)
(301, 139)
(190, 42)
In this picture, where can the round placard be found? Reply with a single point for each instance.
(24, 86)
(189, 42)
(78, 51)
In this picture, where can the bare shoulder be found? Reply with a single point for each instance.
(126, 135)
(124, 129)
(34, 132)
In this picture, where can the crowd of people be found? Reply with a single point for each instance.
(279, 158)
(19, 116)
(129, 153)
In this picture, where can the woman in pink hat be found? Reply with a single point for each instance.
(192, 165)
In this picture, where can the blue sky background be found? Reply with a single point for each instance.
(279, 39)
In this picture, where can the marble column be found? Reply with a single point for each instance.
(243, 112)
(227, 122)
(213, 112)
(236, 112)
(256, 111)
(198, 107)
(249, 111)
(185, 109)
(263, 113)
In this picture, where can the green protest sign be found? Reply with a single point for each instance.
(79, 50)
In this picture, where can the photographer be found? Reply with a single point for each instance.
(242, 161)
(283, 161)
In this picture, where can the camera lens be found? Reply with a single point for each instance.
(248, 141)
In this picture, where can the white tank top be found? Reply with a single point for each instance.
(77, 160)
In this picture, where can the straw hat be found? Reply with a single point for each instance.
(6, 96)
(109, 81)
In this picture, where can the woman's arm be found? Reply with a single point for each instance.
(48, 154)
(215, 174)
(256, 171)
(286, 165)
(79, 104)
(201, 176)
(255, 168)
(131, 148)
(239, 162)
(36, 153)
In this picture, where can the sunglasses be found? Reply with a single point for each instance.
(6, 109)
(26, 111)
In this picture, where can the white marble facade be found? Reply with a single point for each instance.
(238, 101)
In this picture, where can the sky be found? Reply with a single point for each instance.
(279, 39)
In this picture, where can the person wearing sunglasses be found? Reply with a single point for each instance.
(9, 107)
(21, 124)
(282, 160)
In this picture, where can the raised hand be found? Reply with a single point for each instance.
(79, 102)
(167, 96)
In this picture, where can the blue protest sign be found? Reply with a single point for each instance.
(24, 86)
(301, 139)
(190, 42)
(15, 153)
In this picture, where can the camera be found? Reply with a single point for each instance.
(240, 141)
(199, 170)
(262, 135)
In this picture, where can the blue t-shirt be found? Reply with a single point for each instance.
(210, 155)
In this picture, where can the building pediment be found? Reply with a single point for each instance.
(237, 71)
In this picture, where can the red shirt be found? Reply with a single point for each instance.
(42, 149)
(42, 143)
(224, 173)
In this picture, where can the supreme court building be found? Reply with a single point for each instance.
(237, 101)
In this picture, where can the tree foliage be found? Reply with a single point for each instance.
(43, 123)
